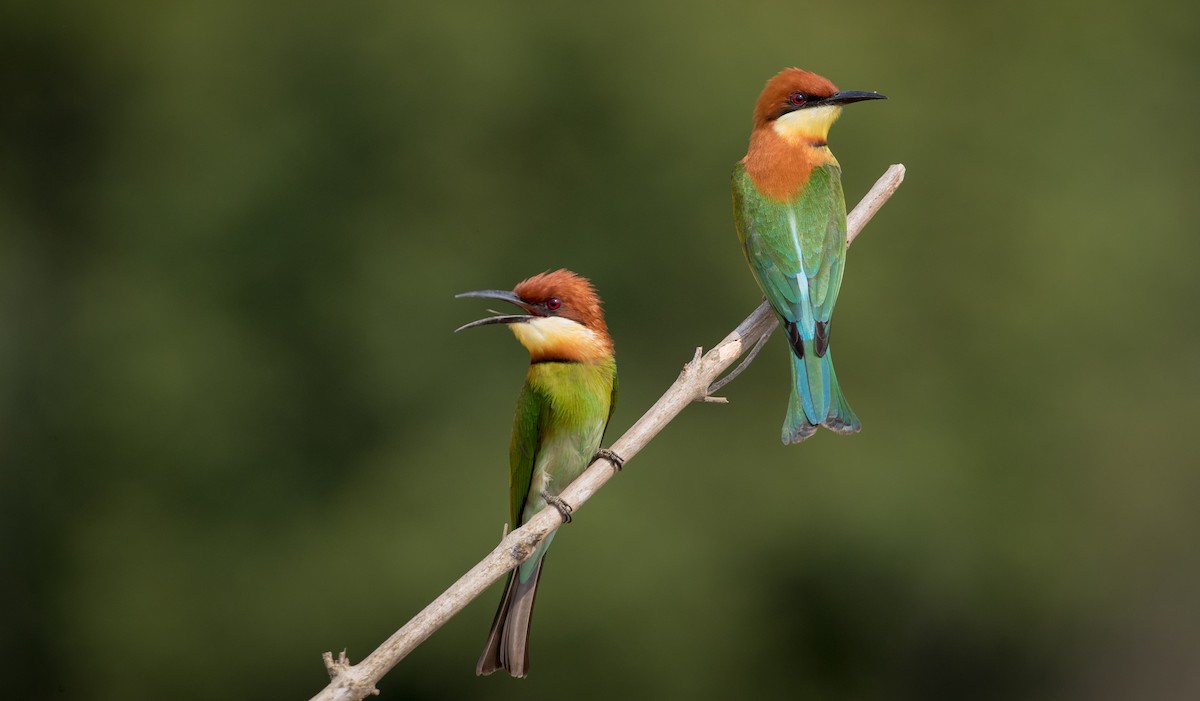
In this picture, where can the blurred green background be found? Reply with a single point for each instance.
(237, 431)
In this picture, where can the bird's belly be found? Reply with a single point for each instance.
(561, 458)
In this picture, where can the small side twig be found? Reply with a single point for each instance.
(356, 682)
(732, 375)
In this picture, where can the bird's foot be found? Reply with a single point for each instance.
(563, 507)
(617, 461)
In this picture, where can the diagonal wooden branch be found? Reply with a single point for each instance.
(358, 681)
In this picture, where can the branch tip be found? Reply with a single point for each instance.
(335, 669)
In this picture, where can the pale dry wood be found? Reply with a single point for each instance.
(355, 682)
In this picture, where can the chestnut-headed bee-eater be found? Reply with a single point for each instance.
(562, 411)
(790, 216)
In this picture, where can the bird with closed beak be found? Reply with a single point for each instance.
(790, 216)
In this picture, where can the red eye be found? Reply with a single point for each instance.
(553, 303)
(797, 99)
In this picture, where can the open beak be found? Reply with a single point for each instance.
(845, 97)
(504, 295)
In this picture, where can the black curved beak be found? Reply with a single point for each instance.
(503, 295)
(845, 97)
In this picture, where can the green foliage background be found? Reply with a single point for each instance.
(236, 429)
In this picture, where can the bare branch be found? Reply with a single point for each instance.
(880, 192)
(356, 682)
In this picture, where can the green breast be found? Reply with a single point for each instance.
(577, 393)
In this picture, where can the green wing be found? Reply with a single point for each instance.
(796, 249)
(612, 406)
(522, 452)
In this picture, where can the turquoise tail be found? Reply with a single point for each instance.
(816, 399)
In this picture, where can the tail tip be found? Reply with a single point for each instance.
(797, 433)
(842, 427)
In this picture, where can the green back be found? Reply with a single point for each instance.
(796, 249)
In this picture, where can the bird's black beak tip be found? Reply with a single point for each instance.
(502, 295)
(845, 97)
(501, 319)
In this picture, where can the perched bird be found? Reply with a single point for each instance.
(562, 411)
(791, 219)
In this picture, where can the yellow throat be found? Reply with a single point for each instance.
(807, 125)
(556, 337)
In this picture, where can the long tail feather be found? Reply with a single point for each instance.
(842, 418)
(797, 426)
(508, 641)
